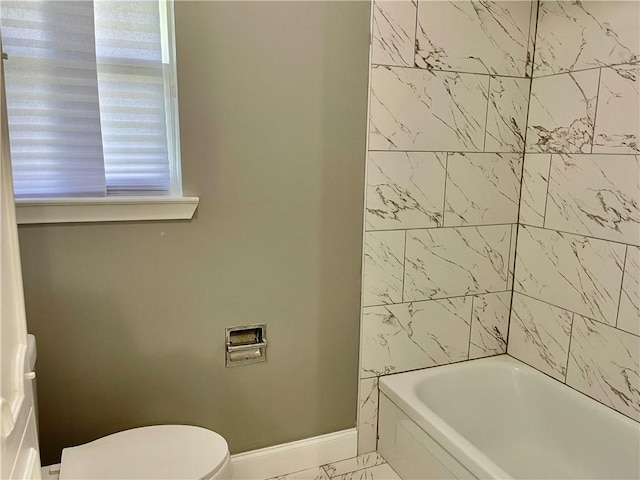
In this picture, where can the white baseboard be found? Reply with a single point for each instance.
(292, 457)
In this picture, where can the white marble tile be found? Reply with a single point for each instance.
(383, 267)
(367, 418)
(539, 335)
(397, 338)
(415, 109)
(471, 36)
(603, 363)
(379, 472)
(535, 181)
(512, 256)
(349, 465)
(316, 473)
(507, 114)
(561, 112)
(578, 35)
(489, 324)
(573, 272)
(482, 188)
(394, 37)
(595, 195)
(629, 313)
(405, 190)
(618, 114)
(449, 262)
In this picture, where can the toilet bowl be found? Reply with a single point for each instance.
(168, 452)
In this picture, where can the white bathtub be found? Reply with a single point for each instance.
(499, 418)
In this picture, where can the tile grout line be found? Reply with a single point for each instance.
(566, 368)
(470, 328)
(565, 232)
(377, 384)
(503, 152)
(444, 192)
(441, 70)
(410, 229)
(525, 224)
(511, 240)
(380, 375)
(513, 273)
(601, 322)
(407, 302)
(595, 113)
(533, 42)
(546, 197)
(404, 266)
(624, 270)
(415, 37)
(486, 116)
(488, 74)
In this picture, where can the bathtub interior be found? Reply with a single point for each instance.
(528, 424)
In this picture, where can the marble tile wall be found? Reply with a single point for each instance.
(503, 193)
(576, 309)
(447, 130)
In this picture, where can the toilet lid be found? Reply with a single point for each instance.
(162, 451)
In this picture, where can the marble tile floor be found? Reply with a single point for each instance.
(369, 466)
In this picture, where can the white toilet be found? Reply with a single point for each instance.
(167, 452)
(171, 452)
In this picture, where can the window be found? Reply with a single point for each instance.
(90, 89)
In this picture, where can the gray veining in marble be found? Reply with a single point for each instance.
(573, 272)
(367, 417)
(539, 335)
(397, 338)
(507, 114)
(490, 36)
(531, 37)
(415, 109)
(595, 195)
(535, 180)
(394, 25)
(561, 112)
(448, 262)
(405, 190)
(379, 472)
(629, 313)
(383, 267)
(489, 324)
(603, 363)
(316, 473)
(618, 116)
(584, 34)
(482, 188)
(360, 462)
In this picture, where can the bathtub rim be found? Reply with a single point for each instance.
(402, 390)
(478, 463)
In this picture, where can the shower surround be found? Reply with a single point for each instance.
(471, 104)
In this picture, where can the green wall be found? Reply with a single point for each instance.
(130, 317)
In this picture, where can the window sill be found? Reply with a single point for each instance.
(109, 209)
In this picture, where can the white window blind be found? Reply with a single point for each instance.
(88, 97)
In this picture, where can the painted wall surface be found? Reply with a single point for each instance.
(576, 308)
(130, 318)
(446, 139)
